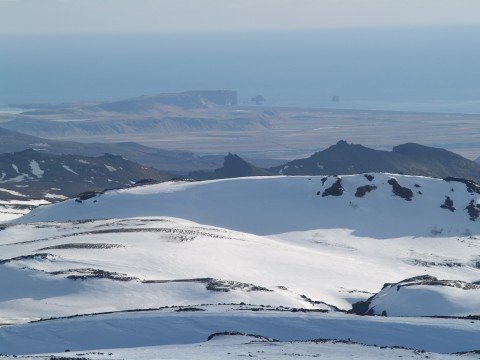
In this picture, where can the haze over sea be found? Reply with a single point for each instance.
(419, 69)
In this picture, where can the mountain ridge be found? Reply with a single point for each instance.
(409, 158)
(34, 174)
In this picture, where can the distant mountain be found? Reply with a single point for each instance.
(197, 99)
(413, 159)
(185, 100)
(127, 124)
(202, 110)
(32, 174)
(233, 166)
(168, 160)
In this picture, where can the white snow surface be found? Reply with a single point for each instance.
(13, 209)
(260, 247)
(12, 192)
(427, 298)
(69, 169)
(241, 347)
(110, 168)
(165, 327)
(273, 205)
(36, 170)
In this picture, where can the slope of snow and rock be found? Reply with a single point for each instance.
(41, 176)
(13, 209)
(240, 346)
(398, 205)
(138, 329)
(424, 296)
(280, 257)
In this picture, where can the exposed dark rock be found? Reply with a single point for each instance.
(473, 210)
(362, 190)
(472, 187)
(369, 177)
(361, 308)
(85, 274)
(236, 333)
(189, 309)
(436, 263)
(335, 190)
(82, 246)
(448, 204)
(88, 195)
(316, 302)
(146, 182)
(39, 256)
(214, 284)
(233, 166)
(403, 192)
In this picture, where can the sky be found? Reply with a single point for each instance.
(133, 16)
(293, 52)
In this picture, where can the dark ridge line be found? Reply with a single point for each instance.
(123, 230)
(268, 308)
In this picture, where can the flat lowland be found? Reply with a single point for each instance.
(253, 131)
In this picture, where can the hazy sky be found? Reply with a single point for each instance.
(92, 16)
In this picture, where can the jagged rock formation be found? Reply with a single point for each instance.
(233, 166)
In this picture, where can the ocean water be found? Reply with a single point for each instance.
(416, 69)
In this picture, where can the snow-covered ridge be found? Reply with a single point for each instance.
(375, 205)
(282, 257)
(424, 296)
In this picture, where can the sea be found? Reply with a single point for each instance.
(431, 69)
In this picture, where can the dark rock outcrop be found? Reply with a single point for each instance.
(335, 190)
(398, 190)
(448, 204)
(473, 210)
(233, 166)
(362, 190)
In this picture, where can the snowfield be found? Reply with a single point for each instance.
(273, 205)
(170, 327)
(281, 257)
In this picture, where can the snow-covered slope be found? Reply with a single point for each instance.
(164, 327)
(273, 205)
(13, 209)
(426, 296)
(237, 346)
(280, 257)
